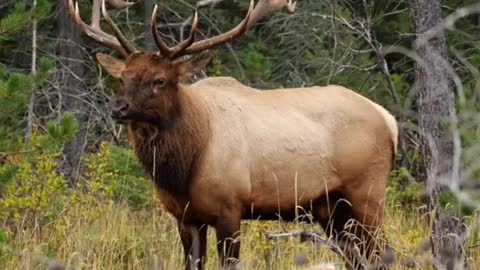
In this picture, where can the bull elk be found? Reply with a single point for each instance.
(219, 151)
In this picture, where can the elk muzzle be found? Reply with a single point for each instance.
(120, 107)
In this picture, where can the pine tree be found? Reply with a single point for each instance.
(20, 18)
(15, 87)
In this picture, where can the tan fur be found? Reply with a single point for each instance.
(266, 142)
(282, 152)
(390, 121)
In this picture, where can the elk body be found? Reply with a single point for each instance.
(219, 151)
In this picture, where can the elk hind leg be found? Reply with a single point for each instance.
(368, 204)
(334, 211)
(334, 215)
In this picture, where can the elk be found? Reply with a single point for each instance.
(219, 151)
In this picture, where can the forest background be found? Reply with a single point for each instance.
(72, 194)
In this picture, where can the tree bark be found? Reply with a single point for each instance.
(436, 108)
(148, 7)
(73, 89)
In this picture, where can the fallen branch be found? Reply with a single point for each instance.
(477, 245)
(5, 154)
(314, 237)
(387, 258)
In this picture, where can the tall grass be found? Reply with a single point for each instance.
(124, 238)
(114, 221)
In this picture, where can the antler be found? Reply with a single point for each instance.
(267, 7)
(222, 38)
(118, 42)
(264, 7)
(164, 49)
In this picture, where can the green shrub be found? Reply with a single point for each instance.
(36, 193)
(36, 190)
(449, 201)
(33, 191)
(132, 185)
(403, 190)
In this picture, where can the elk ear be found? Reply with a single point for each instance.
(192, 66)
(111, 64)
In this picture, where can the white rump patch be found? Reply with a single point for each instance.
(391, 123)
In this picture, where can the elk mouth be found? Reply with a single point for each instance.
(120, 119)
(120, 116)
(125, 117)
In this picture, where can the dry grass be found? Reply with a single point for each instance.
(147, 239)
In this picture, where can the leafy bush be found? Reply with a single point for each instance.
(89, 200)
(36, 202)
(449, 201)
(132, 185)
(403, 190)
(36, 194)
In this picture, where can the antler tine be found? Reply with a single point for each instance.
(220, 39)
(266, 7)
(126, 44)
(164, 49)
(187, 42)
(120, 4)
(117, 42)
(93, 30)
(95, 23)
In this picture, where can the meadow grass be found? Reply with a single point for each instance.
(124, 238)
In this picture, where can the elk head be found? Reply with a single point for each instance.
(150, 80)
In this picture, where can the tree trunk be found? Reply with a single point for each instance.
(31, 102)
(148, 7)
(73, 89)
(436, 106)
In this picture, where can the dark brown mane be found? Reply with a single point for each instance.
(170, 153)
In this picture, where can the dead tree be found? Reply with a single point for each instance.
(436, 109)
(148, 8)
(72, 88)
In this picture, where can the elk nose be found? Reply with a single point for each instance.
(119, 107)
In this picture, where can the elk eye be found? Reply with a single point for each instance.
(159, 83)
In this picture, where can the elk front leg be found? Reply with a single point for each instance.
(228, 241)
(194, 241)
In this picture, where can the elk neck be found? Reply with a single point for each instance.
(170, 153)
